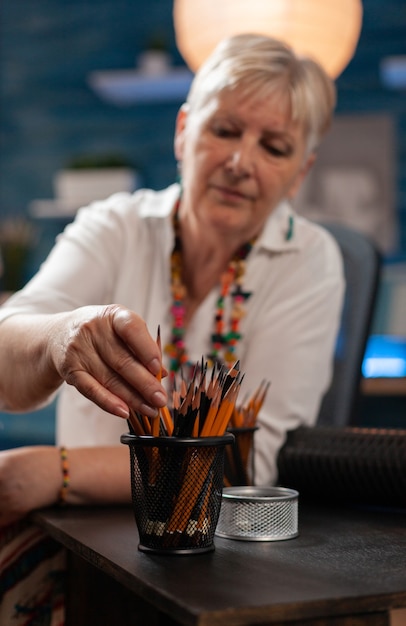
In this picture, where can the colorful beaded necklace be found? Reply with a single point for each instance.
(223, 341)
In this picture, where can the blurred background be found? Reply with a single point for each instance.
(77, 93)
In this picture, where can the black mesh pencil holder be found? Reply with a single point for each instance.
(176, 486)
(346, 465)
(239, 466)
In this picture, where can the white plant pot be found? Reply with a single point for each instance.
(75, 188)
(154, 62)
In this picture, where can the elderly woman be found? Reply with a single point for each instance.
(85, 325)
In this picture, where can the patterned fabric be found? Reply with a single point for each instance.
(32, 575)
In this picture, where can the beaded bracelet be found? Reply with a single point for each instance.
(65, 475)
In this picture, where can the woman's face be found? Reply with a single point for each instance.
(239, 157)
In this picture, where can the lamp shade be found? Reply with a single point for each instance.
(326, 30)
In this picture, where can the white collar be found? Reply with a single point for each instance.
(280, 230)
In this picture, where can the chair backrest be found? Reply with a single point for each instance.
(362, 265)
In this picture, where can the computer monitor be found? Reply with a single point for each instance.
(385, 357)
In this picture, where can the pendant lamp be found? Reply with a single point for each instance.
(326, 30)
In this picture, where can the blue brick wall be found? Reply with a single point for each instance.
(49, 113)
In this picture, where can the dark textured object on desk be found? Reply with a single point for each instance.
(346, 465)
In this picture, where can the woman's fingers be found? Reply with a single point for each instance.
(115, 396)
(108, 354)
(133, 331)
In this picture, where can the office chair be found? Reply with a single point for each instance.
(362, 265)
(336, 461)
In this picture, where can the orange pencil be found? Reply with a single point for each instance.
(211, 416)
(261, 399)
(146, 424)
(167, 419)
(189, 494)
(226, 409)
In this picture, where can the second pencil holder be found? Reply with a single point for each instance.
(176, 486)
(239, 461)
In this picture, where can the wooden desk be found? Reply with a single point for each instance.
(347, 567)
(384, 386)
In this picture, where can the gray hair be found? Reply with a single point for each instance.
(257, 64)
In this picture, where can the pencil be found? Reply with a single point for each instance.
(135, 423)
(156, 420)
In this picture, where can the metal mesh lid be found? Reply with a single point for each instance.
(258, 514)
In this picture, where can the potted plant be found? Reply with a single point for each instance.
(155, 60)
(93, 177)
(18, 237)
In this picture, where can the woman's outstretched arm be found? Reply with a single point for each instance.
(106, 352)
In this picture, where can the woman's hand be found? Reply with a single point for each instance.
(30, 478)
(107, 353)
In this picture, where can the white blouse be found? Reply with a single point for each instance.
(118, 251)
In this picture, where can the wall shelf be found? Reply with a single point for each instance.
(52, 209)
(126, 87)
(393, 71)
